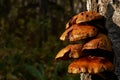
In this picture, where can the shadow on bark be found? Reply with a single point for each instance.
(113, 33)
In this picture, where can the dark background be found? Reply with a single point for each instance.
(29, 38)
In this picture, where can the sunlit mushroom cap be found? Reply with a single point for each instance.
(100, 42)
(85, 16)
(79, 32)
(70, 51)
(88, 16)
(90, 64)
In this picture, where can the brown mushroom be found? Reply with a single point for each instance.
(65, 35)
(90, 64)
(88, 16)
(71, 21)
(85, 16)
(79, 32)
(100, 42)
(70, 51)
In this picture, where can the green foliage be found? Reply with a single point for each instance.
(34, 72)
(29, 40)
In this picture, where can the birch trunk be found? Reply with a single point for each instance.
(111, 10)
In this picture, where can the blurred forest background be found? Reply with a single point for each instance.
(29, 38)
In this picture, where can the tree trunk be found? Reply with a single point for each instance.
(111, 10)
(71, 5)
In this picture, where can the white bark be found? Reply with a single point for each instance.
(111, 10)
(91, 5)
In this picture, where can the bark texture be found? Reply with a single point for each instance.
(111, 10)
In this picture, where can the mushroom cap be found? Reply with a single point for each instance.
(65, 35)
(90, 64)
(71, 21)
(85, 16)
(88, 16)
(79, 32)
(70, 51)
(100, 42)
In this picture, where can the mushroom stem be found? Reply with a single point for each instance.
(85, 76)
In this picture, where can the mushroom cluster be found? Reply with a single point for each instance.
(94, 56)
